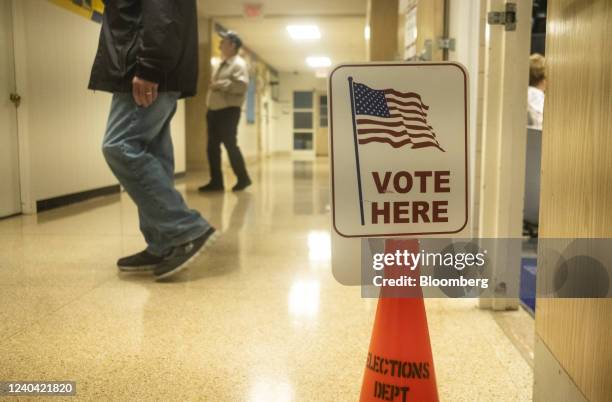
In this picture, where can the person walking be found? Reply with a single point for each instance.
(148, 59)
(226, 96)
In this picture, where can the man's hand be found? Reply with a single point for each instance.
(214, 85)
(144, 92)
(220, 85)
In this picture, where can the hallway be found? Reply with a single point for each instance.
(258, 318)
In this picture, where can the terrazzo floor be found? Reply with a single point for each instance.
(258, 318)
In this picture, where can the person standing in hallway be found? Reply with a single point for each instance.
(227, 93)
(535, 92)
(148, 58)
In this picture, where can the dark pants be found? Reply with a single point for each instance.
(223, 129)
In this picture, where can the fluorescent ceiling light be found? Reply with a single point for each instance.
(304, 32)
(366, 32)
(318, 61)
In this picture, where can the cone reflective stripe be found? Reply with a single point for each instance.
(399, 365)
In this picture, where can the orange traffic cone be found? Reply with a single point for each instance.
(399, 366)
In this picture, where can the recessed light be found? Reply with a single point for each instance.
(304, 32)
(318, 61)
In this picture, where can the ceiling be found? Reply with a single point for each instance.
(341, 23)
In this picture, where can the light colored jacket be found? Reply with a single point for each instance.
(229, 85)
(535, 108)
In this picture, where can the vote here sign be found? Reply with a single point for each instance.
(399, 150)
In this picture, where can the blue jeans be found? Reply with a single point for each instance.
(138, 148)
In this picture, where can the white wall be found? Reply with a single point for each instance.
(64, 121)
(177, 128)
(465, 29)
(247, 137)
(247, 133)
(282, 140)
(268, 123)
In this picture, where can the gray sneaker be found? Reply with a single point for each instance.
(181, 256)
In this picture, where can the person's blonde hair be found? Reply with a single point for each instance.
(536, 69)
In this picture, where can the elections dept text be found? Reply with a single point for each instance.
(412, 260)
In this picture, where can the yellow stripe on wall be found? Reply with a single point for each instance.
(97, 7)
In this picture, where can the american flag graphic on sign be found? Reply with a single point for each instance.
(391, 117)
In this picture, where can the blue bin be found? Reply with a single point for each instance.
(528, 282)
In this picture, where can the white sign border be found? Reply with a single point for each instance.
(331, 141)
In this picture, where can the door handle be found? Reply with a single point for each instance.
(16, 99)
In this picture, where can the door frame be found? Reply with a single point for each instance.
(504, 134)
(321, 133)
(305, 153)
(28, 203)
(13, 182)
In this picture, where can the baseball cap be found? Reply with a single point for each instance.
(232, 36)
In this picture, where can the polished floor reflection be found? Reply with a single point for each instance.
(258, 318)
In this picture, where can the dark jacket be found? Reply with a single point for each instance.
(156, 40)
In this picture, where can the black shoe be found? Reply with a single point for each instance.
(139, 262)
(180, 257)
(241, 185)
(210, 187)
